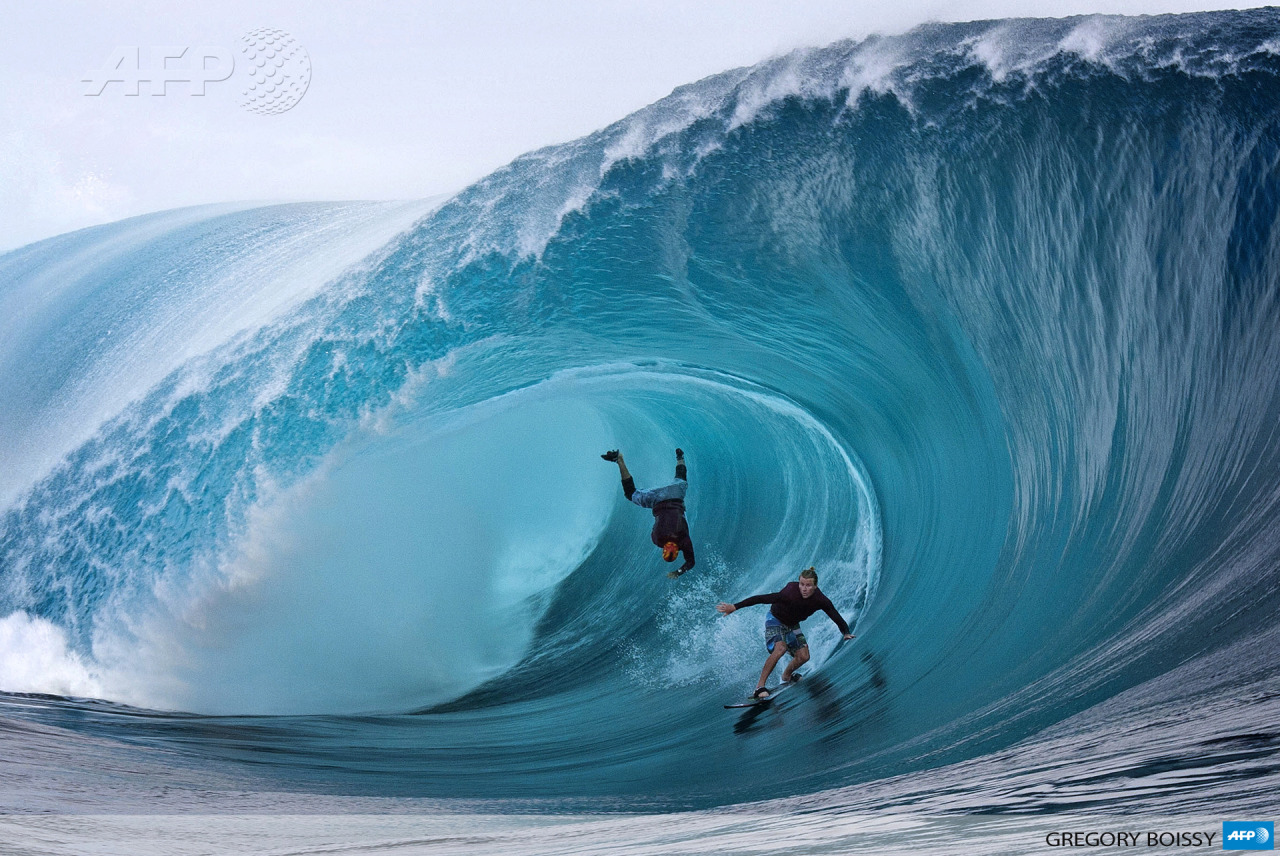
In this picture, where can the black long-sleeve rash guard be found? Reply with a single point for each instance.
(790, 607)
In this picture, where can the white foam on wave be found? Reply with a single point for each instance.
(36, 657)
(872, 69)
(1092, 38)
(553, 183)
(562, 180)
(993, 50)
(636, 136)
(1021, 47)
(785, 78)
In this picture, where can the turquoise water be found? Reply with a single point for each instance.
(980, 320)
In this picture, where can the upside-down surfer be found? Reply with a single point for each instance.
(670, 529)
(796, 602)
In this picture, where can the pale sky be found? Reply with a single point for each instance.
(406, 99)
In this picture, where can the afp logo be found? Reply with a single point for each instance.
(277, 71)
(1248, 835)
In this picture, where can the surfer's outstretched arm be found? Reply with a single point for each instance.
(837, 619)
(682, 472)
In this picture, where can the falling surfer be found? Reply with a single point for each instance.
(670, 529)
(797, 601)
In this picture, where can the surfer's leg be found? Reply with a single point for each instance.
(798, 659)
(628, 483)
(774, 657)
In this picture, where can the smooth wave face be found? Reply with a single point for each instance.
(980, 320)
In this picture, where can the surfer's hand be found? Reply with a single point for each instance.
(725, 608)
(848, 636)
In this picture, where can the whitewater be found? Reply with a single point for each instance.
(306, 543)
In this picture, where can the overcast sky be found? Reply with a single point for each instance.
(406, 99)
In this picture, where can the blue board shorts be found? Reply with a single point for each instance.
(775, 631)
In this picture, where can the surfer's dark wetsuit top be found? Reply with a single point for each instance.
(668, 512)
(790, 607)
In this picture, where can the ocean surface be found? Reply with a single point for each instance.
(302, 510)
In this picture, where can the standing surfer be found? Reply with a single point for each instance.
(796, 602)
(670, 529)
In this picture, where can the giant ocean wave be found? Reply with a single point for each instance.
(980, 320)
